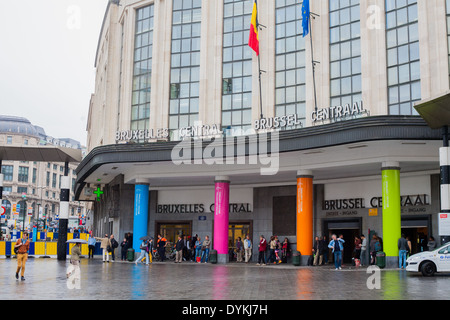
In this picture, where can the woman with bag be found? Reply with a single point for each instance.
(198, 249)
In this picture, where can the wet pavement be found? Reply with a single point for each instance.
(46, 279)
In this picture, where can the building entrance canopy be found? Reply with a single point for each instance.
(39, 153)
(335, 151)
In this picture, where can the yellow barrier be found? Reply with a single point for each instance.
(2, 248)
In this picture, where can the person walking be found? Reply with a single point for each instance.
(91, 247)
(144, 253)
(22, 245)
(179, 250)
(248, 247)
(261, 251)
(363, 254)
(73, 272)
(374, 248)
(337, 247)
(402, 251)
(105, 244)
(198, 249)
(205, 249)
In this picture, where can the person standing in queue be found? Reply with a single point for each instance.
(22, 245)
(161, 247)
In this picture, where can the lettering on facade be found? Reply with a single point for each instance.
(277, 122)
(147, 134)
(377, 202)
(200, 208)
(336, 113)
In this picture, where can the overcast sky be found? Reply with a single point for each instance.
(47, 53)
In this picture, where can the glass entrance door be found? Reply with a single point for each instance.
(236, 230)
(171, 231)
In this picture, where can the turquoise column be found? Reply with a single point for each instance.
(392, 220)
(140, 218)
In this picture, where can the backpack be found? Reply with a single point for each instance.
(114, 243)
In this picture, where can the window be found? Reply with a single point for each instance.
(185, 64)
(22, 190)
(54, 181)
(9, 140)
(23, 174)
(290, 79)
(345, 52)
(143, 51)
(237, 65)
(403, 61)
(7, 173)
(47, 181)
(34, 175)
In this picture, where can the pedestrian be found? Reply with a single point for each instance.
(374, 244)
(363, 254)
(402, 251)
(409, 247)
(179, 247)
(272, 247)
(357, 251)
(317, 252)
(326, 249)
(261, 251)
(114, 245)
(144, 253)
(337, 247)
(22, 245)
(124, 249)
(342, 253)
(91, 246)
(248, 247)
(73, 271)
(105, 245)
(431, 244)
(198, 249)
(161, 247)
(186, 249)
(239, 249)
(205, 249)
(285, 250)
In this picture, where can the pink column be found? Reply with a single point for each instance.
(221, 216)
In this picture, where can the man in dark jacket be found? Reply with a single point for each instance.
(179, 248)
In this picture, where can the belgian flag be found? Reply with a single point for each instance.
(253, 40)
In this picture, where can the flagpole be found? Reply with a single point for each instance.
(313, 62)
(260, 88)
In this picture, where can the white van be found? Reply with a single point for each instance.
(430, 262)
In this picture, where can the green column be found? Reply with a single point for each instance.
(391, 208)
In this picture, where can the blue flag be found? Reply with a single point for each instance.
(305, 17)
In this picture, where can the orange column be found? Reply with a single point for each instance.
(305, 212)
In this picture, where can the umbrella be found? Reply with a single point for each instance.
(76, 241)
(145, 238)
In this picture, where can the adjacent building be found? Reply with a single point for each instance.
(183, 138)
(31, 189)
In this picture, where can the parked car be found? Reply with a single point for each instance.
(430, 262)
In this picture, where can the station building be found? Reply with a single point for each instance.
(184, 139)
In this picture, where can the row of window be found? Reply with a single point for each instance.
(23, 176)
(403, 73)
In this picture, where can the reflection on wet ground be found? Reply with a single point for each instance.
(46, 279)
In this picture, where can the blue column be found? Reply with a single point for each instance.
(140, 221)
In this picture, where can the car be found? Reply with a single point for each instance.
(430, 262)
